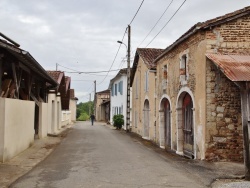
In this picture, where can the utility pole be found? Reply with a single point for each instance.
(56, 66)
(95, 100)
(128, 83)
(89, 104)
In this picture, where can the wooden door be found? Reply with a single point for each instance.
(188, 133)
(167, 123)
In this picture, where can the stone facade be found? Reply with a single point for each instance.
(224, 135)
(215, 100)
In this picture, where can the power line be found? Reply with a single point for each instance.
(167, 22)
(87, 72)
(136, 12)
(114, 58)
(157, 22)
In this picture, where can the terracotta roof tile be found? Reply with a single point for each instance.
(149, 55)
(55, 75)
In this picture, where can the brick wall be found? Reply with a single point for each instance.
(224, 130)
(232, 37)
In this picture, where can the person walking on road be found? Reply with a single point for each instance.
(92, 117)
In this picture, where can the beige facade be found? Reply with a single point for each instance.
(188, 105)
(100, 109)
(16, 127)
(143, 109)
(198, 107)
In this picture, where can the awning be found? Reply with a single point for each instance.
(235, 67)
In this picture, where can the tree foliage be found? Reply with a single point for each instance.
(83, 109)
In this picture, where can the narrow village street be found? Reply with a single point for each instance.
(99, 156)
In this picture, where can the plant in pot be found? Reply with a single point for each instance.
(118, 121)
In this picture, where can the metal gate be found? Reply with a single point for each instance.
(167, 123)
(187, 117)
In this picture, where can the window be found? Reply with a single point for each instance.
(112, 90)
(120, 87)
(136, 88)
(184, 69)
(115, 89)
(146, 80)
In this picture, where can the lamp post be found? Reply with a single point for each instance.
(128, 80)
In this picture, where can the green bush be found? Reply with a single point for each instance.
(83, 117)
(118, 121)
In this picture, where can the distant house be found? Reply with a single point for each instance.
(59, 102)
(24, 86)
(118, 95)
(143, 79)
(73, 104)
(199, 83)
(102, 105)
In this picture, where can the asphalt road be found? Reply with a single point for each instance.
(98, 156)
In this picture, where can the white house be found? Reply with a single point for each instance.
(118, 96)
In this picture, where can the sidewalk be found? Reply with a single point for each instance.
(13, 169)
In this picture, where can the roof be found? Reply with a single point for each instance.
(235, 67)
(121, 72)
(209, 24)
(67, 81)
(56, 75)
(27, 59)
(148, 56)
(103, 92)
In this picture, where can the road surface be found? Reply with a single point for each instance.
(98, 156)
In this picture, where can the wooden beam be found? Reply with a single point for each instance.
(15, 78)
(25, 68)
(34, 98)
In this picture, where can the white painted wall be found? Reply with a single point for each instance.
(72, 106)
(43, 120)
(16, 126)
(54, 113)
(119, 100)
(66, 117)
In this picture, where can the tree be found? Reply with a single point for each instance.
(83, 109)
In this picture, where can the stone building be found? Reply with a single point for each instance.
(143, 79)
(102, 103)
(198, 107)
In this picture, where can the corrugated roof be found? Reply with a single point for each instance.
(149, 55)
(235, 67)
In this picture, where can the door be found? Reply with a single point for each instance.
(167, 124)
(146, 119)
(187, 117)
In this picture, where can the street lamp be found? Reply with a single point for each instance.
(128, 80)
(122, 43)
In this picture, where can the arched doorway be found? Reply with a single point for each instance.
(187, 126)
(146, 120)
(167, 123)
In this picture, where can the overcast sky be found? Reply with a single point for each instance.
(82, 35)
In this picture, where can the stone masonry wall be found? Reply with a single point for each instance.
(230, 38)
(224, 136)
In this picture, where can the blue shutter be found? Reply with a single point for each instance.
(121, 90)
